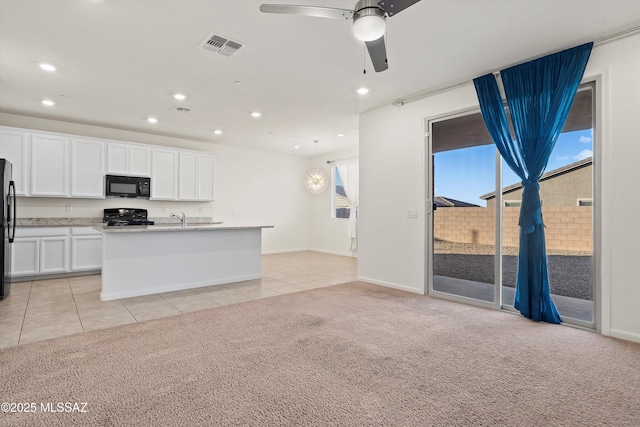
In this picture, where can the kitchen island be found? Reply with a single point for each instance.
(144, 260)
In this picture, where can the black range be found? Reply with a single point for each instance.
(126, 216)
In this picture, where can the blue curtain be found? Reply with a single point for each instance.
(539, 96)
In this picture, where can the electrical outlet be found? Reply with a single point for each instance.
(68, 208)
(164, 210)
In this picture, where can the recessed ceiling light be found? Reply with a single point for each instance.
(48, 102)
(152, 120)
(47, 67)
(180, 96)
(296, 146)
(256, 114)
(340, 135)
(238, 82)
(217, 132)
(362, 90)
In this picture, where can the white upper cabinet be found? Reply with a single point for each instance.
(206, 169)
(117, 159)
(15, 146)
(139, 161)
(196, 176)
(188, 176)
(87, 168)
(164, 174)
(128, 159)
(49, 165)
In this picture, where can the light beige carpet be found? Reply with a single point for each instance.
(352, 354)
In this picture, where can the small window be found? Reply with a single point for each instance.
(585, 202)
(340, 202)
(512, 203)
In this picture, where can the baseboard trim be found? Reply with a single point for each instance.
(177, 287)
(348, 254)
(286, 251)
(47, 276)
(624, 335)
(289, 251)
(390, 285)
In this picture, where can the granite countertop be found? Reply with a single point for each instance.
(172, 228)
(96, 222)
(58, 222)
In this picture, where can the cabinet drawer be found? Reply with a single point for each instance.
(41, 231)
(85, 231)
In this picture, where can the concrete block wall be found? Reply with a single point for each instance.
(567, 227)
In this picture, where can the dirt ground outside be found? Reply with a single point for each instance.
(570, 272)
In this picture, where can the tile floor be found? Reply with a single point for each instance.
(44, 309)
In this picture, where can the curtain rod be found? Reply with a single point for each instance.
(348, 158)
(421, 95)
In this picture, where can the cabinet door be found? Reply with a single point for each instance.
(86, 253)
(49, 166)
(117, 159)
(14, 146)
(54, 254)
(87, 168)
(164, 174)
(206, 168)
(139, 161)
(25, 256)
(188, 181)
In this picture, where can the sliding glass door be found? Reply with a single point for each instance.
(473, 224)
(463, 250)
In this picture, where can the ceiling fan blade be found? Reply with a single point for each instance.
(378, 54)
(393, 7)
(318, 12)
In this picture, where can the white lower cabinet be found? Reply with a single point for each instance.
(86, 249)
(54, 254)
(25, 257)
(55, 250)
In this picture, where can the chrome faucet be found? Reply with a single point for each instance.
(183, 218)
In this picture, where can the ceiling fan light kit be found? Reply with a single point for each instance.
(369, 21)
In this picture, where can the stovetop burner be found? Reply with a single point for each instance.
(119, 217)
(120, 223)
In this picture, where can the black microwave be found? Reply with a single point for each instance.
(127, 186)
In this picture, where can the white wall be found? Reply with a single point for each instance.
(252, 187)
(325, 233)
(392, 180)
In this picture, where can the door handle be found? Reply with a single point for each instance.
(12, 219)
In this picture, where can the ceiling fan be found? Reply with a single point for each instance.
(369, 21)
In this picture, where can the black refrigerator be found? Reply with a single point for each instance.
(7, 215)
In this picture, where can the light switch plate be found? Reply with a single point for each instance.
(412, 213)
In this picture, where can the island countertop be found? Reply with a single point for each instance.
(145, 260)
(174, 227)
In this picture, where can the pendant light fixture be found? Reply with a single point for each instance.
(316, 180)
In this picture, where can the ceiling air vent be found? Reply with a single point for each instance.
(183, 109)
(222, 45)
